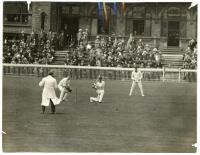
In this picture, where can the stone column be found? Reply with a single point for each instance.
(37, 9)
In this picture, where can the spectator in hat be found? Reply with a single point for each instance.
(157, 57)
(61, 40)
(79, 36)
(97, 42)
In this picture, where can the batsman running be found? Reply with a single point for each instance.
(99, 85)
(64, 87)
(136, 76)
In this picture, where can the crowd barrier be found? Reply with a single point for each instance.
(90, 72)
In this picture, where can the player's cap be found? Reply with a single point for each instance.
(136, 67)
(100, 77)
(155, 49)
(51, 72)
(66, 74)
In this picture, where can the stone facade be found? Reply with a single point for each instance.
(154, 17)
(37, 9)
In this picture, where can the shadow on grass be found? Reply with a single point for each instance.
(57, 113)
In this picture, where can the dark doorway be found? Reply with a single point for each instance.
(70, 26)
(173, 33)
(138, 27)
(43, 16)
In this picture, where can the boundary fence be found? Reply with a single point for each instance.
(91, 72)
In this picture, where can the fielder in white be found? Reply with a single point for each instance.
(136, 76)
(64, 87)
(99, 86)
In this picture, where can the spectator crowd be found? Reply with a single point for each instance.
(111, 51)
(32, 49)
(105, 51)
(190, 55)
(36, 48)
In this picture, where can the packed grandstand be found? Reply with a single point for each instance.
(106, 51)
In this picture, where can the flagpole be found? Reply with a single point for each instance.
(105, 11)
(123, 8)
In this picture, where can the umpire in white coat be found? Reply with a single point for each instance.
(48, 94)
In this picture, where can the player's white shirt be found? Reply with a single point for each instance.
(136, 76)
(100, 85)
(99, 90)
(64, 82)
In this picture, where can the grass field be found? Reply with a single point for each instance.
(162, 121)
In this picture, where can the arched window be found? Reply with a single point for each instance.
(138, 21)
(16, 12)
(174, 14)
(43, 18)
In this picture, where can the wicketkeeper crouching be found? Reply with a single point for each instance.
(99, 86)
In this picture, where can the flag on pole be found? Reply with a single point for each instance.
(100, 17)
(115, 8)
(28, 3)
(192, 5)
(99, 9)
(123, 8)
(105, 11)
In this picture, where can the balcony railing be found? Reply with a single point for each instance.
(18, 19)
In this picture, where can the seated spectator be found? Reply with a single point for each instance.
(190, 55)
(26, 51)
(97, 42)
(108, 51)
(79, 36)
(192, 44)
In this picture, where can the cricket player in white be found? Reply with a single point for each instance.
(136, 76)
(64, 86)
(99, 86)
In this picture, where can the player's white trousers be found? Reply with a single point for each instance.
(100, 94)
(63, 93)
(133, 86)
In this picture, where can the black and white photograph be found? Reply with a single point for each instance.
(99, 76)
